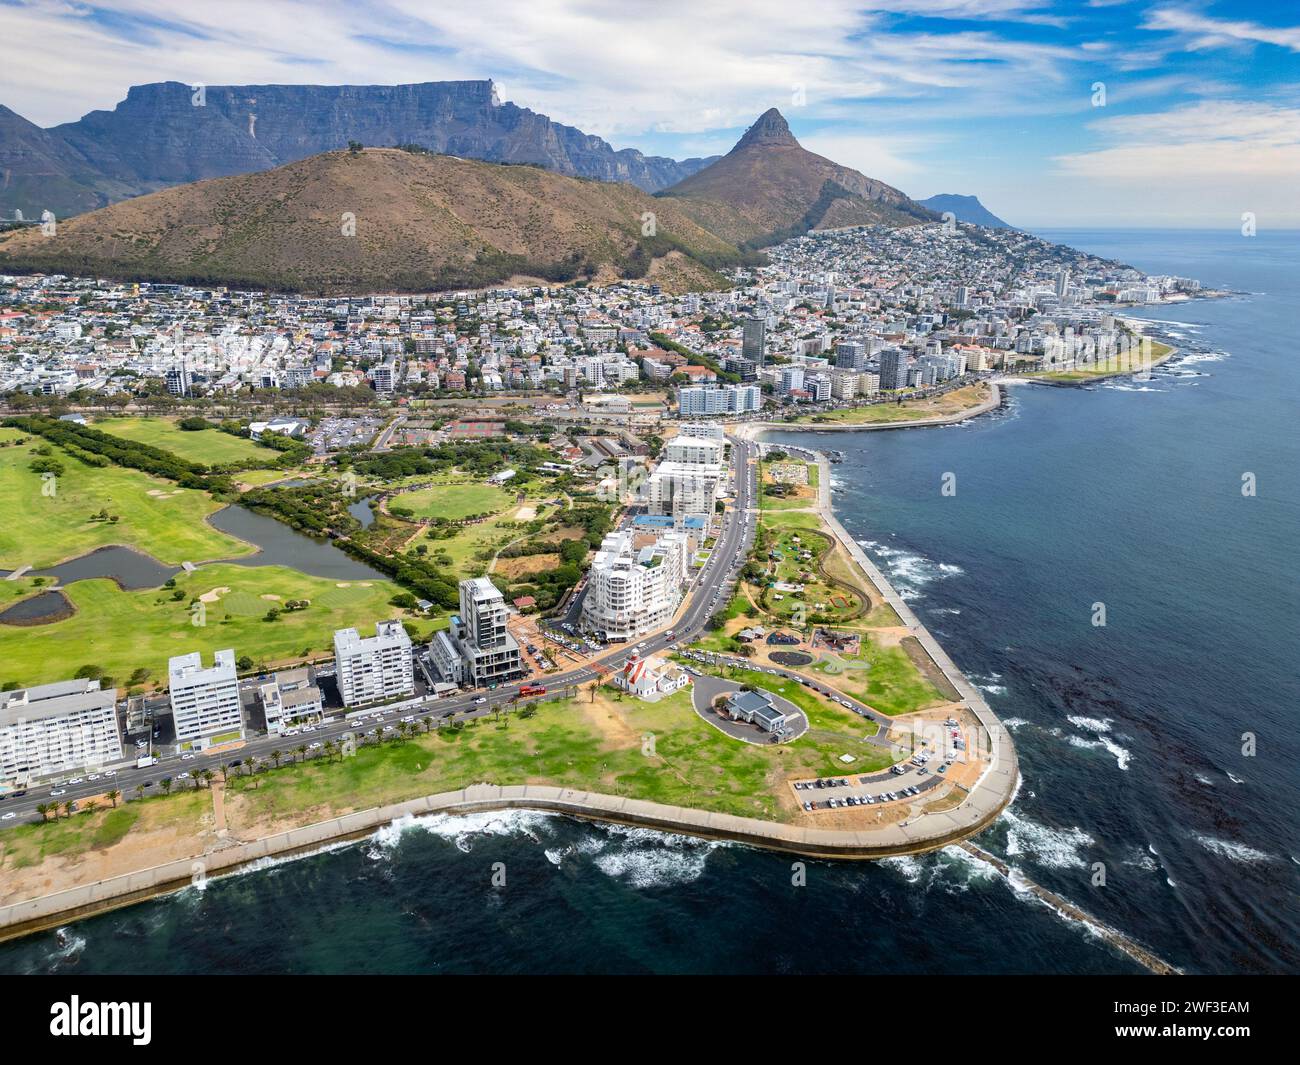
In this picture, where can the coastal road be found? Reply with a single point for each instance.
(708, 592)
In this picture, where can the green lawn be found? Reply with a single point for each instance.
(41, 529)
(949, 403)
(122, 631)
(455, 501)
(1118, 364)
(208, 446)
(693, 764)
(893, 685)
(71, 837)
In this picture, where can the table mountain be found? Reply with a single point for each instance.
(421, 222)
(165, 133)
(769, 188)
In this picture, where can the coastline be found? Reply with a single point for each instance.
(992, 403)
(986, 799)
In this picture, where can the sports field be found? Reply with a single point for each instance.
(455, 501)
(212, 447)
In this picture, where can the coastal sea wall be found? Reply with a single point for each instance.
(931, 831)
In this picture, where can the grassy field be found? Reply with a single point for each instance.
(954, 402)
(122, 631)
(597, 746)
(893, 685)
(153, 515)
(209, 446)
(455, 501)
(102, 830)
(1118, 364)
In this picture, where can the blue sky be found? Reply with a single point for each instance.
(1196, 120)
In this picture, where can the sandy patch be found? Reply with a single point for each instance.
(526, 513)
(610, 721)
(274, 598)
(214, 595)
(527, 564)
(343, 584)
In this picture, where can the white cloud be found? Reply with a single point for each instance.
(1203, 32)
(1205, 163)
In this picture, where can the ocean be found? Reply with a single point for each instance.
(1142, 800)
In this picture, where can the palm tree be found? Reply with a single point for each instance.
(329, 750)
(427, 722)
(113, 796)
(207, 775)
(276, 756)
(139, 791)
(302, 751)
(67, 808)
(166, 785)
(89, 806)
(43, 808)
(225, 771)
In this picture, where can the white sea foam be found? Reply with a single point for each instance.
(1014, 722)
(1237, 852)
(1235, 779)
(905, 865)
(460, 829)
(1055, 848)
(909, 572)
(1090, 724)
(644, 858)
(1205, 780)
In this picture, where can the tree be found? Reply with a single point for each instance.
(113, 796)
(43, 808)
(275, 757)
(355, 147)
(244, 664)
(166, 785)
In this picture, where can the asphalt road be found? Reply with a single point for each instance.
(708, 593)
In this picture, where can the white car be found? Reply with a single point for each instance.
(58, 791)
(187, 757)
(182, 776)
(9, 816)
(76, 780)
(480, 700)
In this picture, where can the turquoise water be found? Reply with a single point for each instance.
(1130, 735)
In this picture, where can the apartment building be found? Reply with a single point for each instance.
(631, 592)
(51, 729)
(206, 708)
(702, 400)
(374, 669)
(477, 648)
(291, 699)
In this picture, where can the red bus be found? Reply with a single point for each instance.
(531, 689)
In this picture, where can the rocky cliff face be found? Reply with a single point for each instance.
(168, 133)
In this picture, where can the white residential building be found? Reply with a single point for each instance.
(696, 400)
(291, 698)
(631, 592)
(374, 669)
(206, 707)
(66, 727)
(477, 648)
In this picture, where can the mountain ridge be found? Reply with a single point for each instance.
(168, 133)
(419, 222)
(769, 188)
